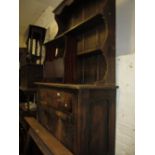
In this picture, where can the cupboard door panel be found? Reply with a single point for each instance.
(60, 124)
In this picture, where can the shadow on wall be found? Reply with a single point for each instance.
(125, 27)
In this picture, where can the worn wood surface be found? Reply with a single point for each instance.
(76, 86)
(55, 112)
(80, 110)
(82, 119)
(47, 143)
(91, 25)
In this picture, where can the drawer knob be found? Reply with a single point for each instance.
(66, 105)
(58, 94)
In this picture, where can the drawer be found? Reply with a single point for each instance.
(56, 99)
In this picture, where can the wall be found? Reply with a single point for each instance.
(125, 122)
(47, 20)
(22, 41)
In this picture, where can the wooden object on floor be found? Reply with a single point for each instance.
(47, 143)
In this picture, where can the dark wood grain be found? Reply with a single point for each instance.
(80, 109)
(47, 143)
(89, 128)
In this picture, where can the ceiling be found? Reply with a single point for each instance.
(30, 11)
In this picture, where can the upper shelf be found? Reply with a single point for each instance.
(90, 51)
(89, 22)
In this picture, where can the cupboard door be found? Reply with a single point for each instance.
(60, 124)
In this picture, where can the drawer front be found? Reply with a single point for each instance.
(55, 113)
(56, 99)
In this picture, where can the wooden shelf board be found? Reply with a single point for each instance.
(91, 21)
(56, 40)
(76, 86)
(47, 143)
(89, 51)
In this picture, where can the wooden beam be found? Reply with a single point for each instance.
(46, 142)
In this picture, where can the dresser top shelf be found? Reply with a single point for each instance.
(87, 23)
(76, 86)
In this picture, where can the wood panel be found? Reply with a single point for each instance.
(77, 16)
(80, 43)
(59, 124)
(90, 127)
(56, 99)
(91, 68)
(70, 60)
(87, 125)
(90, 39)
(56, 114)
(98, 143)
(90, 8)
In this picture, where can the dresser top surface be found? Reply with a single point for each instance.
(76, 86)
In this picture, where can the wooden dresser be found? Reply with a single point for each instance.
(76, 101)
(82, 117)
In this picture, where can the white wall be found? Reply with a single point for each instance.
(47, 21)
(125, 122)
